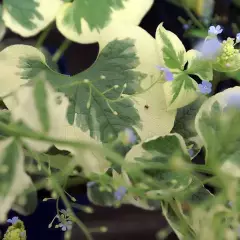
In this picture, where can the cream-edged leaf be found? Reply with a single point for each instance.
(83, 21)
(198, 66)
(21, 63)
(40, 109)
(27, 18)
(171, 47)
(155, 119)
(162, 150)
(91, 161)
(217, 125)
(14, 181)
(180, 92)
(151, 104)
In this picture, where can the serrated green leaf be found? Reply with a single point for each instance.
(161, 150)
(12, 176)
(90, 109)
(198, 66)
(180, 92)
(171, 47)
(217, 125)
(29, 17)
(32, 66)
(185, 124)
(21, 63)
(82, 21)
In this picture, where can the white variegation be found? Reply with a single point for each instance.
(20, 180)
(131, 14)
(43, 13)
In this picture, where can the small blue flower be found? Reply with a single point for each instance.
(238, 38)
(119, 194)
(215, 30)
(205, 87)
(190, 152)
(210, 49)
(130, 137)
(13, 221)
(168, 74)
(90, 184)
(186, 26)
(66, 226)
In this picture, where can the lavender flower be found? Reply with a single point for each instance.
(190, 152)
(238, 38)
(130, 135)
(65, 226)
(186, 26)
(210, 49)
(119, 194)
(205, 87)
(13, 221)
(215, 30)
(167, 72)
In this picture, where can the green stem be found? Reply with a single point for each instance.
(192, 17)
(60, 192)
(68, 206)
(43, 36)
(61, 50)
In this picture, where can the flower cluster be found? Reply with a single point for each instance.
(16, 231)
(228, 52)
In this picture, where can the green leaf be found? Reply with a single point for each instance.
(180, 92)
(198, 66)
(171, 47)
(101, 198)
(82, 21)
(185, 124)
(151, 102)
(29, 17)
(163, 151)
(14, 181)
(195, 195)
(135, 59)
(100, 113)
(21, 63)
(217, 123)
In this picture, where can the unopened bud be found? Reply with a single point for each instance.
(103, 229)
